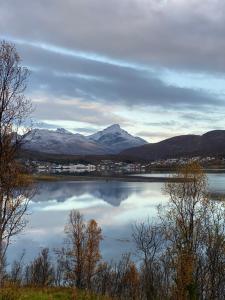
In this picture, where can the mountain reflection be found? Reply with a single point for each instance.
(114, 205)
(111, 192)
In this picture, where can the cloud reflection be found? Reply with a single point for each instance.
(115, 206)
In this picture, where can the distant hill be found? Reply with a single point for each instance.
(117, 144)
(211, 143)
(111, 140)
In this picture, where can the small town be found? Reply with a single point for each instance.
(120, 166)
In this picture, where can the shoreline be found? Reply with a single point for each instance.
(123, 178)
(116, 177)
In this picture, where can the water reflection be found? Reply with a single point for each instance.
(115, 206)
(111, 192)
(216, 180)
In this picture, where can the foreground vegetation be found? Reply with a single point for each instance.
(180, 257)
(46, 293)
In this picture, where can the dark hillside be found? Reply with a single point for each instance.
(211, 143)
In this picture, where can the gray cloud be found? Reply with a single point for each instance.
(44, 125)
(74, 110)
(176, 34)
(84, 130)
(71, 77)
(124, 45)
(162, 124)
(150, 135)
(202, 118)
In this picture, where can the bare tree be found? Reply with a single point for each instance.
(60, 267)
(75, 253)
(211, 259)
(150, 247)
(92, 255)
(103, 279)
(16, 274)
(82, 254)
(148, 240)
(14, 109)
(40, 271)
(183, 226)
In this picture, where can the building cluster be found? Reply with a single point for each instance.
(181, 161)
(48, 167)
(110, 166)
(102, 166)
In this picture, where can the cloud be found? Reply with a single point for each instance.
(108, 82)
(157, 136)
(176, 34)
(91, 59)
(59, 109)
(212, 116)
(43, 125)
(162, 123)
(84, 130)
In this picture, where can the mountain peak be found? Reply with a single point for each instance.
(63, 131)
(113, 128)
(116, 138)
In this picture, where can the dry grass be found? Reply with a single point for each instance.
(28, 293)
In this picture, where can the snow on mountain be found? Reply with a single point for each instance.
(61, 141)
(116, 139)
(63, 131)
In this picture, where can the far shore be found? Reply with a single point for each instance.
(118, 177)
(124, 178)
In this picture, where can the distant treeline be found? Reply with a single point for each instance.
(83, 159)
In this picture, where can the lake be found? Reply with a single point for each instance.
(114, 205)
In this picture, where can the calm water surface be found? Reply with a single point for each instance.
(115, 206)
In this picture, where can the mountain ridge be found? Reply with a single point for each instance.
(111, 140)
(209, 143)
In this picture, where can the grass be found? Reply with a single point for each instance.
(13, 293)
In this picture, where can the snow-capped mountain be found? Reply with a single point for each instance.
(61, 141)
(117, 139)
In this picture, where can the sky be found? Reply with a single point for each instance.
(156, 67)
